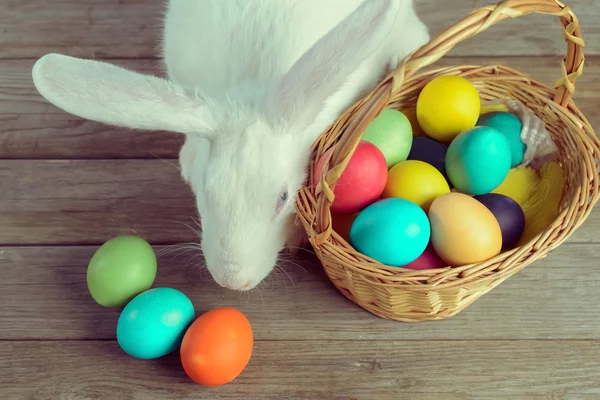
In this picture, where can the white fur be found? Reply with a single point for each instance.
(252, 83)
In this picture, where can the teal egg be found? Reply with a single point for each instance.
(478, 160)
(510, 126)
(154, 322)
(393, 231)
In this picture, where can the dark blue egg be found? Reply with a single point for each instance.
(429, 151)
(509, 214)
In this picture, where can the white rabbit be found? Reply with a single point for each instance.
(251, 83)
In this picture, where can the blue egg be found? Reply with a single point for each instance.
(393, 231)
(510, 126)
(478, 160)
(153, 323)
(429, 151)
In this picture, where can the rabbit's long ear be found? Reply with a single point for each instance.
(324, 68)
(116, 96)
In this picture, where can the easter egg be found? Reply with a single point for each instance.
(342, 223)
(121, 268)
(415, 181)
(447, 106)
(392, 231)
(153, 323)
(478, 160)
(411, 114)
(510, 126)
(428, 260)
(217, 347)
(391, 132)
(463, 231)
(361, 183)
(509, 214)
(429, 151)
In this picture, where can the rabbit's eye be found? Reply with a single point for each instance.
(282, 200)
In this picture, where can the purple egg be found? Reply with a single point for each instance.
(509, 214)
(429, 151)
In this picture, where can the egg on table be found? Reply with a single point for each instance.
(478, 160)
(217, 347)
(121, 268)
(463, 230)
(362, 181)
(152, 325)
(392, 133)
(392, 231)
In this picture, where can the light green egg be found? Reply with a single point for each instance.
(121, 268)
(392, 133)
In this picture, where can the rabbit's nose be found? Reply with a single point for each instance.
(235, 286)
(230, 278)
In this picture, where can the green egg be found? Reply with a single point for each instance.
(392, 133)
(121, 268)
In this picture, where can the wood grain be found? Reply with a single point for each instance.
(320, 369)
(32, 128)
(131, 28)
(45, 297)
(85, 202)
(88, 201)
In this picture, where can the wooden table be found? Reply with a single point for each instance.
(67, 185)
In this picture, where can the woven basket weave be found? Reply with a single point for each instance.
(406, 295)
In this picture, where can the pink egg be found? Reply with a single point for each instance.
(428, 260)
(361, 183)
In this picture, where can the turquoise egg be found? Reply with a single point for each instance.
(153, 323)
(510, 126)
(393, 231)
(478, 160)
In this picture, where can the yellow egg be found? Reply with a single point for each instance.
(463, 230)
(447, 106)
(415, 181)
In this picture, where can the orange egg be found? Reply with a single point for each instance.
(463, 230)
(411, 114)
(217, 347)
(342, 223)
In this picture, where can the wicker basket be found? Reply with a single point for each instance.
(406, 295)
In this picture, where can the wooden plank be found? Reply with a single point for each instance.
(532, 35)
(313, 370)
(61, 202)
(131, 29)
(32, 128)
(87, 201)
(87, 28)
(62, 136)
(45, 297)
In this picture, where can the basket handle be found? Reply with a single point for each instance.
(483, 18)
(476, 22)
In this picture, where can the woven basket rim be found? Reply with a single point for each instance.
(313, 208)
